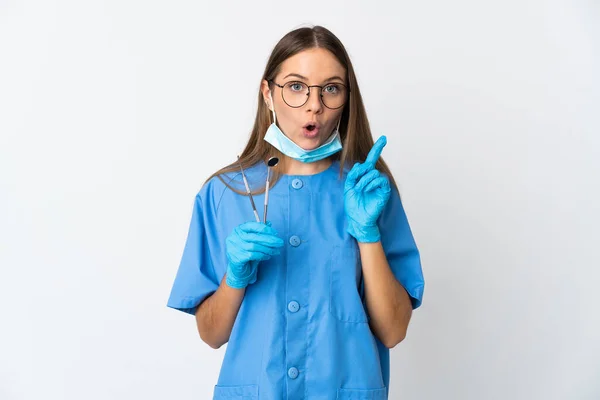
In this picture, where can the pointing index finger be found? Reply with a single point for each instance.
(375, 151)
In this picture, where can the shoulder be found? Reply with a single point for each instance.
(223, 186)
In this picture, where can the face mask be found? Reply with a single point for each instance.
(277, 138)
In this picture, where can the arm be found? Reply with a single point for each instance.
(217, 313)
(366, 196)
(388, 303)
(248, 244)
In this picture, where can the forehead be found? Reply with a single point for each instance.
(316, 64)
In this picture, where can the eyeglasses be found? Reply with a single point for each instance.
(295, 94)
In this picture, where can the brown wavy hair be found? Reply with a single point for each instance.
(355, 132)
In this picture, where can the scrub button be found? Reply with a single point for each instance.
(293, 372)
(297, 184)
(293, 306)
(295, 241)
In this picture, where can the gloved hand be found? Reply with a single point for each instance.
(247, 245)
(366, 193)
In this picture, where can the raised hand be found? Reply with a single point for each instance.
(366, 192)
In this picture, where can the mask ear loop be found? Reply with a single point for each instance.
(273, 108)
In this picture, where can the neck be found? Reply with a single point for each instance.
(295, 167)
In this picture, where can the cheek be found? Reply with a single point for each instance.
(334, 118)
(287, 119)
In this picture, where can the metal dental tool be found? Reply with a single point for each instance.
(271, 163)
(248, 191)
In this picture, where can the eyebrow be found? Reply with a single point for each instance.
(306, 79)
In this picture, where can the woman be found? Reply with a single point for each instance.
(311, 301)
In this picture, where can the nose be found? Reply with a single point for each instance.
(314, 100)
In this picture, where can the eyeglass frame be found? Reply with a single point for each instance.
(308, 94)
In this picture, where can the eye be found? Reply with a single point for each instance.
(331, 89)
(296, 86)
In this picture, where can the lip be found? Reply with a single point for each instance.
(314, 123)
(310, 134)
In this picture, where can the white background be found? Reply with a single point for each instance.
(113, 113)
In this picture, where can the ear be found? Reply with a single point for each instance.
(265, 90)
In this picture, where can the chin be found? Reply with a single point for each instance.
(308, 143)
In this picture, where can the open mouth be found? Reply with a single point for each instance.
(311, 126)
(311, 129)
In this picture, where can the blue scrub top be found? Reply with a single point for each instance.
(302, 331)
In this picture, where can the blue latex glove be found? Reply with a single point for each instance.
(247, 245)
(366, 193)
